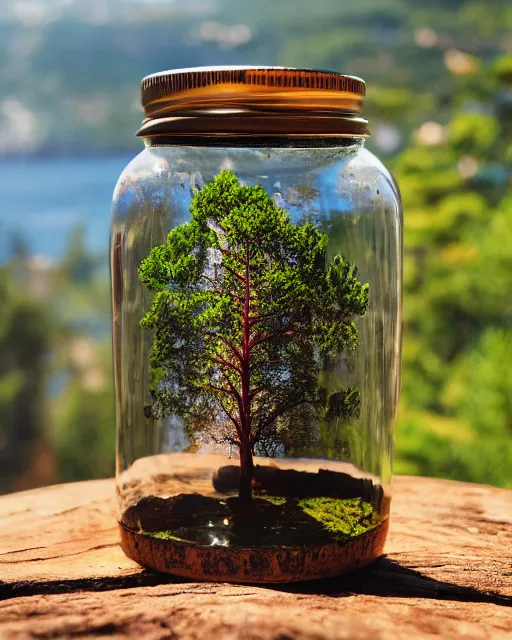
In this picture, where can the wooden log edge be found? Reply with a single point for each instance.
(251, 564)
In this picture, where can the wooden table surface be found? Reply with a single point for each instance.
(447, 574)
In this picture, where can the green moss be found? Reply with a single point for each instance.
(163, 535)
(277, 500)
(348, 517)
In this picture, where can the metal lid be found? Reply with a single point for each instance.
(252, 100)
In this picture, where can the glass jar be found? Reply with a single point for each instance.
(256, 258)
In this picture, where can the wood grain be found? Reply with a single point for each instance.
(447, 574)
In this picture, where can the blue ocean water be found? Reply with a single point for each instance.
(42, 200)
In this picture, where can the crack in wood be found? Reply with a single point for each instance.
(10, 553)
(62, 555)
(55, 587)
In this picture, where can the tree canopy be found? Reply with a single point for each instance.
(247, 312)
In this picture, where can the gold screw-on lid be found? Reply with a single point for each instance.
(276, 87)
(245, 94)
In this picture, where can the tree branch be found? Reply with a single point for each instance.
(273, 417)
(228, 344)
(234, 391)
(220, 389)
(221, 292)
(233, 420)
(235, 256)
(226, 363)
(256, 391)
(259, 339)
(213, 283)
(233, 272)
(257, 319)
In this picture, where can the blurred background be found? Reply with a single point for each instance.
(439, 77)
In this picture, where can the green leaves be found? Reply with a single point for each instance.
(155, 270)
(458, 309)
(343, 403)
(473, 132)
(246, 315)
(345, 288)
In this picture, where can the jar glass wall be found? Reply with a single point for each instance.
(257, 352)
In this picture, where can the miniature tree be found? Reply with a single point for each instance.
(247, 313)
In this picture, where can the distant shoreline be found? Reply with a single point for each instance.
(45, 198)
(73, 155)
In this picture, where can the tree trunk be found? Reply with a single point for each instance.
(246, 472)
(246, 463)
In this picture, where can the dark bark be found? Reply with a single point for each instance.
(246, 471)
(246, 461)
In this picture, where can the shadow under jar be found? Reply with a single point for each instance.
(256, 251)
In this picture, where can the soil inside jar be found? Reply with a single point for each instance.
(201, 536)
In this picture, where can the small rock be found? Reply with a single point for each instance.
(226, 479)
(300, 484)
(152, 513)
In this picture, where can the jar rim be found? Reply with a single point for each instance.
(260, 100)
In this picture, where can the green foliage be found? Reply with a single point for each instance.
(240, 333)
(478, 389)
(473, 133)
(341, 517)
(56, 393)
(78, 264)
(82, 432)
(24, 345)
(455, 420)
(81, 417)
(277, 500)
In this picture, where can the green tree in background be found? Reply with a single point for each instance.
(246, 315)
(82, 418)
(456, 419)
(56, 393)
(25, 330)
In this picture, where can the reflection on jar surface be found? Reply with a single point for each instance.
(257, 317)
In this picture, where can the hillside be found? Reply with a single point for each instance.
(70, 70)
